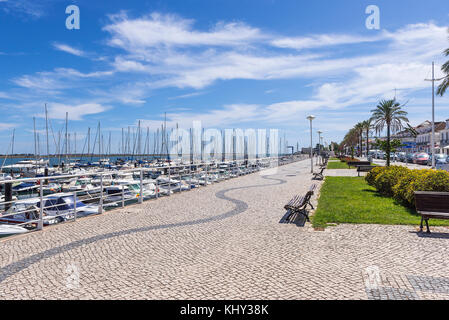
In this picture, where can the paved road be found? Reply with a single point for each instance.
(224, 242)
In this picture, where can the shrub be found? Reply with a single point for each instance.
(346, 159)
(401, 182)
(420, 180)
(371, 176)
(402, 191)
(388, 178)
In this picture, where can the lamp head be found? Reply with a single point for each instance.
(311, 117)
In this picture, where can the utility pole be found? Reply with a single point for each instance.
(318, 159)
(311, 118)
(432, 138)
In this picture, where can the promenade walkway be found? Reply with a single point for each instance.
(224, 242)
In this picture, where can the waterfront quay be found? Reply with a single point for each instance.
(226, 241)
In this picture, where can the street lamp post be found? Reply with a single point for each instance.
(310, 118)
(432, 138)
(319, 146)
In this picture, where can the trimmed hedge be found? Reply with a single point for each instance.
(387, 179)
(401, 182)
(348, 159)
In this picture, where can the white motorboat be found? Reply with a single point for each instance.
(25, 166)
(57, 208)
(10, 230)
(25, 187)
(62, 205)
(117, 193)
(2, 198)
(26, 212)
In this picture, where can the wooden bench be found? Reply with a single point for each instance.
(431, 205)
(364, 168)
(319, 175)
(358, 163)
(299, 204)
(324, 164)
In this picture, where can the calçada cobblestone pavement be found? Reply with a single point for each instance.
(225, 241)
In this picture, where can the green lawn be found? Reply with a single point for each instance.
(352, 200)
(333, 158)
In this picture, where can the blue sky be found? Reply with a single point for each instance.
(231, 64)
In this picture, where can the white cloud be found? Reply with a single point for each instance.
(4, 95)
(6, 126)
(59, 78)
(158, 51)
(161, 46)
(322, 40)
(69, 49)
(35, 9)
(75, 112)
(170, 30)
(188, 95)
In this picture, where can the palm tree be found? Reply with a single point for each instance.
(445, 68)
(389, 114)
(367, 128)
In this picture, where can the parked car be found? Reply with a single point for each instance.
(394, 156)
(380, 155)
(439, 158)
(409, 157)
(421, 158)
(402, 156)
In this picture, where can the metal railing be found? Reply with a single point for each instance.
(72, 202)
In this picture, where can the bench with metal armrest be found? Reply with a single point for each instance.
(299, 204)
(364, 168)
(319, 175)
(431, 205)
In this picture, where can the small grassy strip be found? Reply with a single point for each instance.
(352, 200)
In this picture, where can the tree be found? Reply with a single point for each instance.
(351, 138)
(389, 114)
(445, 68)
(367, 126)
(411, 130)
(383, 145)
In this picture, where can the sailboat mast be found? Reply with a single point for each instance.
(88, 142)
(123, 144)
(35, 138)
(46, 132)
(139, 137)
(66, 135)
(99, 139)
(13, 138)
